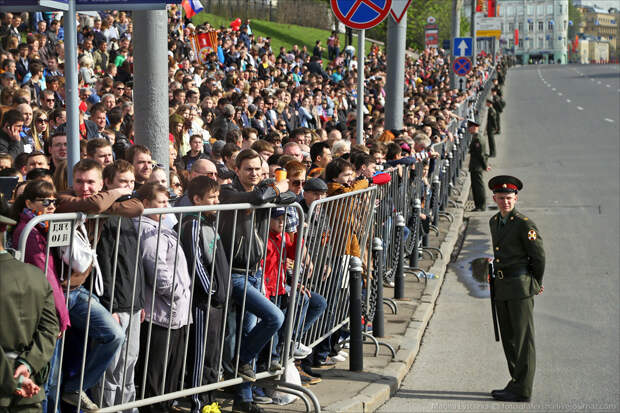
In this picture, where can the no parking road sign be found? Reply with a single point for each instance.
(361, 14)
(461, 66)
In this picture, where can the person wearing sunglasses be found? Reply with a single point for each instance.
(39, 198)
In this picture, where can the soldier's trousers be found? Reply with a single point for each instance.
(478, 189)
(28, 408)
(516, 325)
(491, 138)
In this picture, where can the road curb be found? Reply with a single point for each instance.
(376, 394)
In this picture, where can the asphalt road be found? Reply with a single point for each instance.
(560, 135)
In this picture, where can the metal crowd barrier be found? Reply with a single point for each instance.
(335, 228)
(225, 350)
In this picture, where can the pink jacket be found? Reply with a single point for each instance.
(36, 247)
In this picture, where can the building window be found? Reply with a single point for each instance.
(501, 12)
(550, 25)
(521, 26)
(541, 43)
(530, 44)
(541, 26)
(549, 8)
(511, 27)
(560, 10)
(565, 24)
(510, 11)
(530, 27)
(550, 43)
(530, 10)
(520, 10)
(540, 10)
(520, 43)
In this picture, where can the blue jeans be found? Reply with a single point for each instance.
(254, 334)
(105, 337)
(52, 381)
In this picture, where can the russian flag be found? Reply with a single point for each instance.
(192, 7)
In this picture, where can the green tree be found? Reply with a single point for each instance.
(576, 17)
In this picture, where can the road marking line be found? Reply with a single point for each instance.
(598, 83)
(609, 120)
(559, 93)
(553, 89)
(579, 107)
(592, 79)
(607, 85)
(568, 100)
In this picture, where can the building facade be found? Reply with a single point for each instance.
(542, 27)
(601, 25)
(542, 30)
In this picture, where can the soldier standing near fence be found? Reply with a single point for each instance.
(477, 165)
(28, 333)
(492, 126)
(519, 265)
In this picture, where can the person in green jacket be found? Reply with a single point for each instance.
(519, 264)
(28, 333)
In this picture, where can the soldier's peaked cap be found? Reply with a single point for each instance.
(505, 184)
(472, 122)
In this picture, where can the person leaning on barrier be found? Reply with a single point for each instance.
(168, 295)
(477, 165)
(248, 249)
(519, 265)
(127, 283)
(86, 196)
(39, 198)
(203, 248)
(29, 329)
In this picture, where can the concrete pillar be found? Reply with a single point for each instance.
(151, 82)
(395, 81)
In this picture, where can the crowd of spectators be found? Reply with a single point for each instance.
(237, 121)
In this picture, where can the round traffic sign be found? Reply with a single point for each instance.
(361, 14)
(461, 66)
(430, 20)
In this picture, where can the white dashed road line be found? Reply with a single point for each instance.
(568, 100)
(609, 120)
(607, 85)
(559, 93)
(579, 108)
(553, 89)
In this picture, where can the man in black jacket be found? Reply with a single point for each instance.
(10, 141)
(247, 243)
(124, 277)
(204, 251)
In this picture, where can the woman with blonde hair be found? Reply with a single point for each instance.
(39, 129)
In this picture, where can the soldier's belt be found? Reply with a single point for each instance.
(511, 272)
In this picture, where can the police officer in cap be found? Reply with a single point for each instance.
(519, 264)
(477, 165)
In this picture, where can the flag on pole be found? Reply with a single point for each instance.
(192, 8)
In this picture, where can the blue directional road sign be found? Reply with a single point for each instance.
(19, 5)
(463, 46)
(461, 66)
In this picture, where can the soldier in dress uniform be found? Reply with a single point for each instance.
(28, 332)
(519, 264)
(477, 165)
(498, 104)
(492, 126)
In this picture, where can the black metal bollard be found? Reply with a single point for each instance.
(399, 276)
(356, 357)
(378, 329)
(414, 257)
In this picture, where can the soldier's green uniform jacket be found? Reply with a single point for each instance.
(498, 103)
(478, 154)
(519, 254)
(28, 327)
(492, 120)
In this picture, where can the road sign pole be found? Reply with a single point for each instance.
(395, 82)
(456, 32)
(473, 32)
(361, 45)
(71, 90)
(151, 87)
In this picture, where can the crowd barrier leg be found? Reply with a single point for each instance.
(391, 304)
(399, 277)
(356, 358)
(301, 392)
(378, 327)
